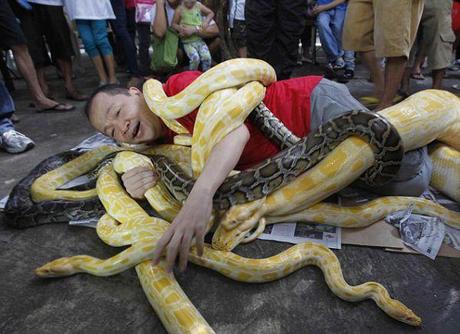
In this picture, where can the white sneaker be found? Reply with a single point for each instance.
(13, 141)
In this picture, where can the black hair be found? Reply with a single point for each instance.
(109, 89)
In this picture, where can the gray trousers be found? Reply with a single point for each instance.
(329, 100)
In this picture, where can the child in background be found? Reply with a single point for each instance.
(91, 19)
(330, 20)
(237, 25)
(188, 13)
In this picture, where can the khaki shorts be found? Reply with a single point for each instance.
(437, 33)
(387, 26)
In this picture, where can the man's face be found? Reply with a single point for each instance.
(125, 117)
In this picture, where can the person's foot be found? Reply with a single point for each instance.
(338, 64)
(74, 94)
(329, 72)
(417, 76)
(14, 118)
(48, 105)
(13, 141)
(349, 74)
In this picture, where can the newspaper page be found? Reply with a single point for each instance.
(296, 233)
(424, 234)
(3, 202)
(93, 142)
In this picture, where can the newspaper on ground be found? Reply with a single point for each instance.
(296, 233)
(93, 142)
(90, 222)
(421, 233)
(3, 202)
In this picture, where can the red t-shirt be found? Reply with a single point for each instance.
(289, 100)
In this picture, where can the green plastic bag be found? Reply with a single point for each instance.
(164, 58)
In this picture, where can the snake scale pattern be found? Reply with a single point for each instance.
(226, 95)
(270, 175)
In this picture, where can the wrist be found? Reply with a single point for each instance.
(204, 190)
(197, 29)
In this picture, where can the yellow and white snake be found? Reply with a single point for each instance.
(225, 95)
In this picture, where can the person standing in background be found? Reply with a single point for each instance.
(124, 38)
(143, 17)
(330, 17)
(382, 28)
(11, 141)
(46, 21)
(91, 20)
(237, 25)
(273, 31)
(14, 39)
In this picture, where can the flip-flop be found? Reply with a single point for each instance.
(417, 76)
(58, 107)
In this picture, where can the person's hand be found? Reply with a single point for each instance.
(188, 31)
(318, 9)
(204, 25)
(138, 180)
(190, 223)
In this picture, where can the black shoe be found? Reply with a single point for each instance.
(349, 74)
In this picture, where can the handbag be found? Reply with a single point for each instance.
(164, 58)
(144, 11)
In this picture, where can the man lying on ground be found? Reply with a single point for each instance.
(302, 104)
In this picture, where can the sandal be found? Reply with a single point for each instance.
(61, 107)
(417, 76)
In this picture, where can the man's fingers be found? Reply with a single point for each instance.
(184, 250)
(199, 241)
(172, 249)
(161, 245)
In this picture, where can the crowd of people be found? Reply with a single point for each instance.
(393, 38)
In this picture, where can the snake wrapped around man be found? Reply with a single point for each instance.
(226, 95)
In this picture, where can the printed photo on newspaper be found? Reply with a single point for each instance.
(296, 233)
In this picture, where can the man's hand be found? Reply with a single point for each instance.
(138, 180)
(193, 218)
(190, 223)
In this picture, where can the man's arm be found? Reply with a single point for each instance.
(196, 211)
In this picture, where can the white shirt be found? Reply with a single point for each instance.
(47, 2)
(89, 9)
(235, 11)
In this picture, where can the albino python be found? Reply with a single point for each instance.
(225, 96)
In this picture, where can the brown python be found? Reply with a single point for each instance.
(270, 175)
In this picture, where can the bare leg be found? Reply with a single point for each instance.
(26, 66)
(97, 61)
(371, 62)
(110, 64)
(394, 71)
(405, 83)
(243, 52)
(41, 75)
(438, 76)
(66, 67)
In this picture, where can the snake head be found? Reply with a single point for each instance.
(64, 266)
(236, 224)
